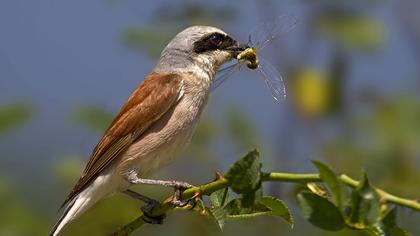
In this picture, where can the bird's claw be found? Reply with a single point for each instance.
(191, 202)
(148, 217)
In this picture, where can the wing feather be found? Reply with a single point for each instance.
(149, 102)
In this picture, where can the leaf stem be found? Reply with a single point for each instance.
(222, 183)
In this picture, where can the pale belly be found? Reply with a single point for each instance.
(148, 164)
(161, 143)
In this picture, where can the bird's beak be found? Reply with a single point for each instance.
(237, 49)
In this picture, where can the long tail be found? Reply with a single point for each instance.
(72, 210)
(55, 230)
(98, 189)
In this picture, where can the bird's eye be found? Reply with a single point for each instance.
(216, 39)
(211, 42)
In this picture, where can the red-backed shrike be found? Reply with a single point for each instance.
(156, 122)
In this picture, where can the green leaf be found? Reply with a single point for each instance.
(397, 231)
(219, 214)
(277, 208)
(390, 218)
(381, 231)
(235, 210)
(245, 175)
(389, 224)
(13, 115)
(267, 205)
(320, 211)
(218, 198)
(248, 199)
(338, 190)
(365, 206)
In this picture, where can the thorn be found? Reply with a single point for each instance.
(196, 195)
(218, 175)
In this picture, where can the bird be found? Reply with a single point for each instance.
(155, 123)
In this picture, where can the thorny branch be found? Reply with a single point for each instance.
(221, 183)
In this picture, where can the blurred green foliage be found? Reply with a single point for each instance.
(170, 19)
(18, 216)
(93, 117)
(13, 115)
(352, 30)
(241, 129)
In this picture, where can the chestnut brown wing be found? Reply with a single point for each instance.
(147, 104)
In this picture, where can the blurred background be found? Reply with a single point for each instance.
(352, 78)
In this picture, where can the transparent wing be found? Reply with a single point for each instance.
(224, 74)
(272, 79)
(270, 30)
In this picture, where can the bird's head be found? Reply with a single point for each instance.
(202, 47)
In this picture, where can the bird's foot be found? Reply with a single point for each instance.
(148, 217)
(147, 208)
(178, 202)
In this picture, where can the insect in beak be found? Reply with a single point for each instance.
(250, 55)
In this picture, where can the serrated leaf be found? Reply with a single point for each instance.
(236, 210)
(245, 175)
(338, 190)
(365, 206)
(249, 199)
(320, 211)
(277, 208)
(219, 198)
(219, 215)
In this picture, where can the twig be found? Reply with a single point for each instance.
(221, 183)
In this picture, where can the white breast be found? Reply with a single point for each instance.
(168, 136)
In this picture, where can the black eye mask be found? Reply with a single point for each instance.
(214, 41)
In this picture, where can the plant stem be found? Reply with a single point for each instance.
(221, 183)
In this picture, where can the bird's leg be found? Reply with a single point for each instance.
(132, 177)
(146, 209)
(179, 186)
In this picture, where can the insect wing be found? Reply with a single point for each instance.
(224, 74)
(272, 79)
(270, 30)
